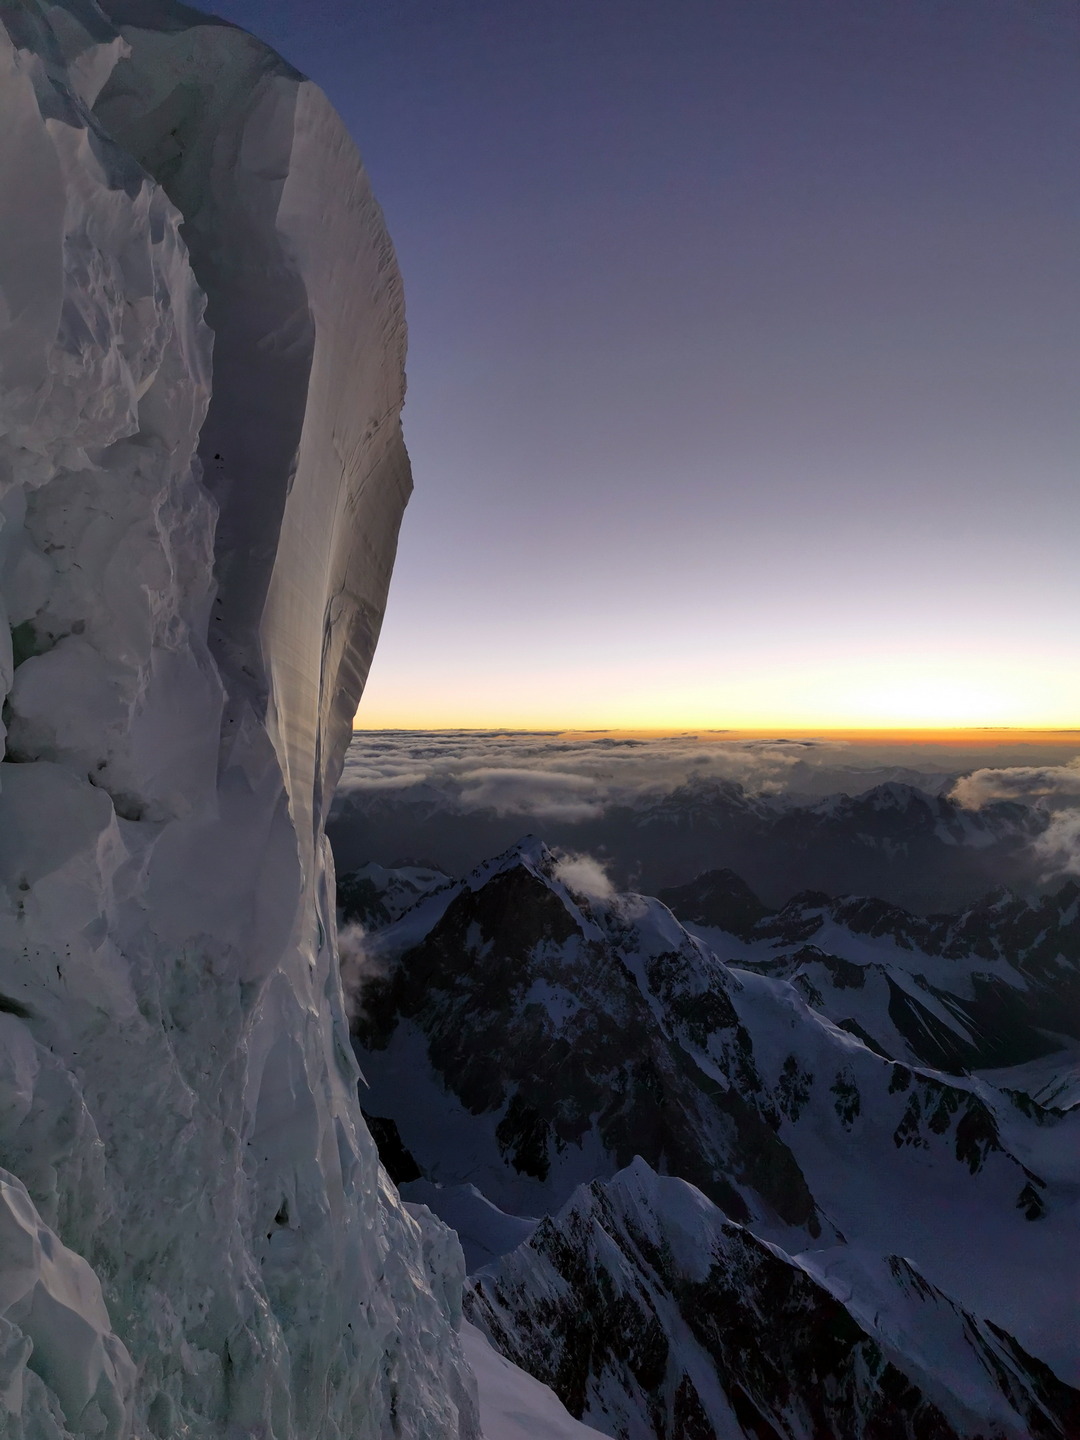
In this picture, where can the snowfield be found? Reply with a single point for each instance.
(514, 1406)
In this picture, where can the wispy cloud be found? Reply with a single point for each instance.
(1059, 845)
(1053, 788)
(358, 967)
(584, 875)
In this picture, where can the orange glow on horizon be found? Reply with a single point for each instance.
(967, 737)
(872, 697)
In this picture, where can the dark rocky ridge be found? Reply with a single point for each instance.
(558, 1033)
(576, 1024)
(605, 1306)
(607, 1067)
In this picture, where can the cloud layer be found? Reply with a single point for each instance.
(547, 794)
(552, 776)
(577, 776)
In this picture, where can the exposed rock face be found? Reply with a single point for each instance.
(653, 1315)
(573, 1037)
(201, 479)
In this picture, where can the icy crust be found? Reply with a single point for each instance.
(51, 1307)
(196, 1223)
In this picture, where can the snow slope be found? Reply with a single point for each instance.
(513, 1405)
(201, 479)
(997, 984)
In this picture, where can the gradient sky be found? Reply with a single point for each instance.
(743, 365)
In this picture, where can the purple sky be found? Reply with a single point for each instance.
(743, 354)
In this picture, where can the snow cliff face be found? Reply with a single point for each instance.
(201, 478)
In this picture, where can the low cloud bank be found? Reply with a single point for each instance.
(557, 777)
(577, 778)
(1059, 845)
(1050, 786)
(1053, 788)
(547, 794)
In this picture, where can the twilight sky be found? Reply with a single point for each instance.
(743, 367)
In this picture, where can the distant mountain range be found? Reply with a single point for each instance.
(726, 1169)
(896, 841)
(995, 984)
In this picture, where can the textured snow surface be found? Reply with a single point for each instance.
(514, 1406)
(201, 479)
(485, 1231)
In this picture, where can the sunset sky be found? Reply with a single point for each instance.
(743, 381)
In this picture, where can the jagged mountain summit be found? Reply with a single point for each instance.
(527, 1040)
(201, 480)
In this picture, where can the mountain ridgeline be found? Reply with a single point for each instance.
(922, 851)
(725, 1169)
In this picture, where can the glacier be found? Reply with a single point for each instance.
(202, 475)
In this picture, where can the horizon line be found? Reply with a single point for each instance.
(1066, 734)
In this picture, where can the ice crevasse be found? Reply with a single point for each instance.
(201, 479)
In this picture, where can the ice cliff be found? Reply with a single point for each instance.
(201, 479)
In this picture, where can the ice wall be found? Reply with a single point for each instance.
(201, 478)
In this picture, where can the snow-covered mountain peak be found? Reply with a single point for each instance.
(701, 801)
(811, 1094)
(528, 853)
